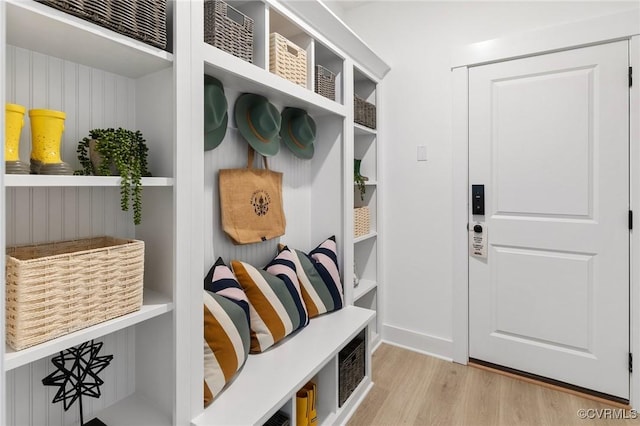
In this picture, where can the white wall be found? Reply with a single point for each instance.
(416, 39)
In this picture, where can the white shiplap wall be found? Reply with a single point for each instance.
(297, 176)
(91, 98)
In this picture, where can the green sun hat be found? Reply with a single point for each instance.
(215, 113)
(298, 131)
(259, 122)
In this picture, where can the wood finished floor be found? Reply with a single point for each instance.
(415, 389)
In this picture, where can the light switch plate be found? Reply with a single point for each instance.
(422, 153)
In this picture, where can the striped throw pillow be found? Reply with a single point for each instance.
(220, 280)
(226, 329)
(276, 308)
(319, 278)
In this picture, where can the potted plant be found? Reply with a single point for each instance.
(359, 179)
(108, 152)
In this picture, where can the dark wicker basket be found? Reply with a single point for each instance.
(325, 82)
(363, 112)
(144, 20)
(278, 419)
(228, 29)
(351, 367)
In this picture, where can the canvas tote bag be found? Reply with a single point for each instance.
(251, 203)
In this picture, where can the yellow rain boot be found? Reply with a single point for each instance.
(46, 135)
(14, 120)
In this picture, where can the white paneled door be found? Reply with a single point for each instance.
(549, 140)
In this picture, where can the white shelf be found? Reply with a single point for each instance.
(365, 237)
(269, 379)
(247, 77)
(368, 183)
(133, 410)
(153, 304)
(57, 181)
(360, 130)
(364, 287)
(43, 29)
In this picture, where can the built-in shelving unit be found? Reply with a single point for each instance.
(367, 258)
(103, 79)
(314, 206)
(100, 79)
(321, 341)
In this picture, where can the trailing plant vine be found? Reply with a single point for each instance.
(124, 150)
(360, 181)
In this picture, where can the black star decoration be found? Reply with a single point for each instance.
(77, 374)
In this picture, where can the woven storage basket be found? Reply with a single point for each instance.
(363, 112)
(278, 419)
(325, 82)
(351, 368)
(56, 288)
(228, 29)
(287, 60)
(361, 221)
(144, 20)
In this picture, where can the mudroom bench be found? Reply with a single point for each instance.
(269, 381)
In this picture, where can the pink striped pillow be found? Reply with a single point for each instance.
(275, 302)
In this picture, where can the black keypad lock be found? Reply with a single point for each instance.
(477, 199)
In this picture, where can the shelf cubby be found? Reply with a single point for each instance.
(328, 59)
(364, 87)
(364, 287)
(40, 28)
(292, 32)
(366, 149)
(257, 11)
(366, 260)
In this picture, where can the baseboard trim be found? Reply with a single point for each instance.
(548, 384)
(418, 342)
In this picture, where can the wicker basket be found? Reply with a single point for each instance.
(56, 288)
(144, 20)
(325, 82)
(351, 367)
(228, 29)
(361, 221)
(363, 112)
(278, 419)
(287, 60)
